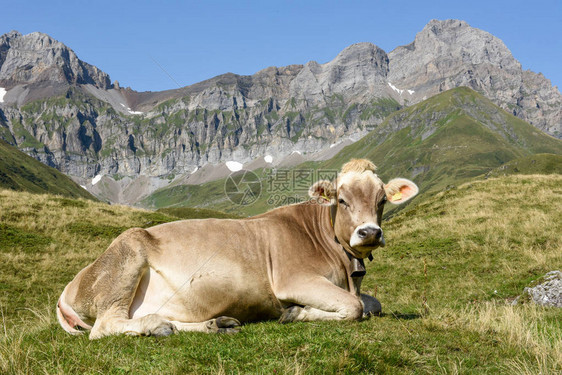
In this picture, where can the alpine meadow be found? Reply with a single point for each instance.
(452, 265)
(83, 160)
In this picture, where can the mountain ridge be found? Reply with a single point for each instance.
(85, 126)
(443, 141)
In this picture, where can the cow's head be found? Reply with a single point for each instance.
(357, 198)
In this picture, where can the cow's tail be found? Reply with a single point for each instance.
(68, 319)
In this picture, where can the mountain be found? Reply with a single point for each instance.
(35, 65)
(65, 112)
(452, 136)
(448, 54)
(448, 139)
(21, 172)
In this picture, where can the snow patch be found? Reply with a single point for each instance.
(268, 158)
(96, 179)
(2, 93)
(131, 112)
(333, 145)
(296, 152)
(83, 187)
(395, 88)
(399, 91)
(195, 170)
(234, 166)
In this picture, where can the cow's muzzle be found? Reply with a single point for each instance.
(367, 235)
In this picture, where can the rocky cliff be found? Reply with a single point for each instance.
(448, 54)
(66, 113)
(34, 66)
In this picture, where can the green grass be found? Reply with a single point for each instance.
(19, 171)
(538, 163)
(480, 244)
(195, 213)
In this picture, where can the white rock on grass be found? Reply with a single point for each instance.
(547, 293)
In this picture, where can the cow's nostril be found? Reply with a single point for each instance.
(369, 232)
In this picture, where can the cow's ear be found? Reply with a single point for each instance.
(399, 190)
(323, 191)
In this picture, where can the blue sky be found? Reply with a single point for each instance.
(136, 41)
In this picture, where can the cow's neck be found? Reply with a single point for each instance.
(315, 219)
(357, 264)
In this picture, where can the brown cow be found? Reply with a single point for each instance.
(293, 263)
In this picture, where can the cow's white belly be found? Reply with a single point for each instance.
(154, 296)
(205, 294)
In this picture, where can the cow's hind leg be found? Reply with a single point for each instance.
(105, 289)
(150, 325)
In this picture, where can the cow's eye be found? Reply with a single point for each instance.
(383, 201)
(342, 202)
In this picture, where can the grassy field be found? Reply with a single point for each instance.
(452, 265)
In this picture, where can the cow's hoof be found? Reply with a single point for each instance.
(371, 305)
(165, 329)
(224, 324)
(227, 324)
(290, 314)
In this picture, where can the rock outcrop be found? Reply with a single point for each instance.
(547, 291)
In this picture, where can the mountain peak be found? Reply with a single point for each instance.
(439, 26)
(11, 34)
(37, 58)
(359, 71)
(451, 53)
(458, 39)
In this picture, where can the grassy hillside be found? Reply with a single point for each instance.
(195, 213)
(19, 171)
(440, 142)
(445, 280)
(447, 139)
(538, 164)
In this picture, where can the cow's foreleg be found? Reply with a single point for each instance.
(221, 324)
(319, 299)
